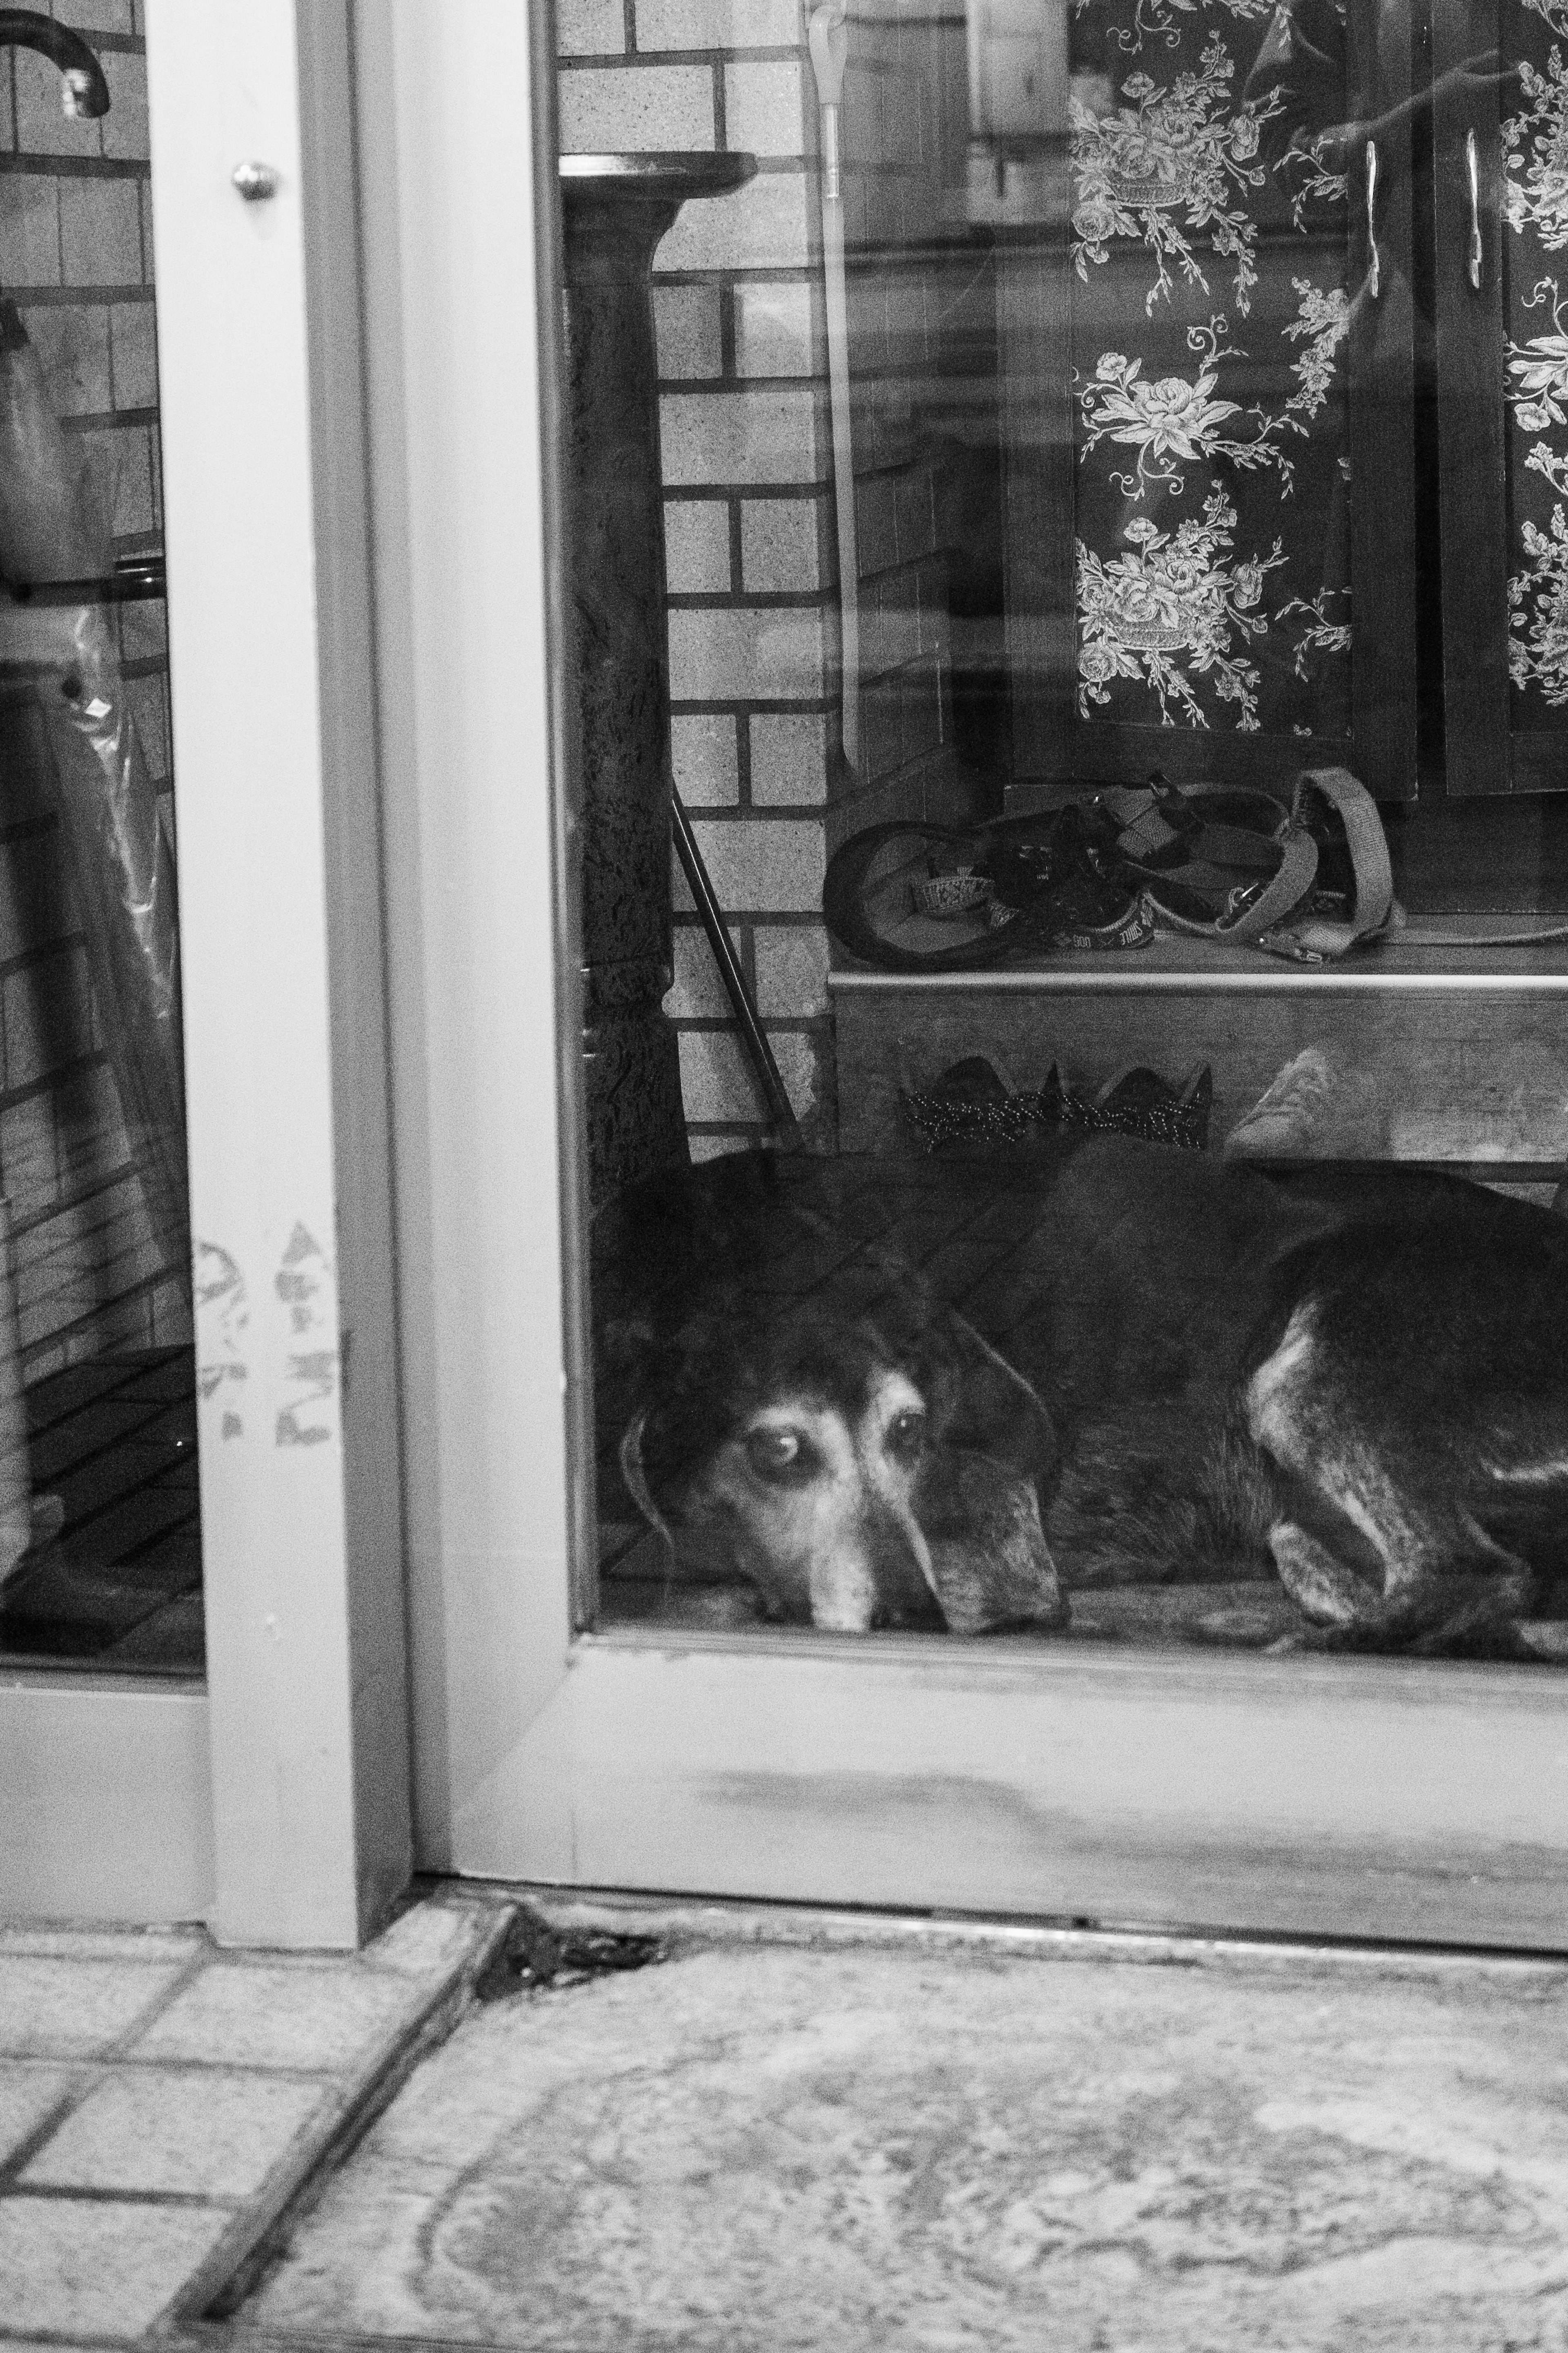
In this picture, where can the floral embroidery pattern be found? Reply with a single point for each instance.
(1306, 171)
(1535, 142)
(1540, 392)
(1535, 201)
(1538, 591)
(1176, 161)
(1538, 610)
(1323, 318)
(1171, 422)
(1157, 19)
(1316, 634)
(1175, 606)
(1208, 615)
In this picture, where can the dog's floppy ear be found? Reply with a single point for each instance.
(984, 1407)
(636, 1477)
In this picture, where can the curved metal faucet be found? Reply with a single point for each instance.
(86, 91)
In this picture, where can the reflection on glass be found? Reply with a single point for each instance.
(100, 1542)
(1114, 459)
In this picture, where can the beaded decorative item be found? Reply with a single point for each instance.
(969, 1104)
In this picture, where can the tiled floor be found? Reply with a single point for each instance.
(706, 2128)
(160, 2101)
(114, 1439)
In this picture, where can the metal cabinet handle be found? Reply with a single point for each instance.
(1473, 182)
(1374, 258)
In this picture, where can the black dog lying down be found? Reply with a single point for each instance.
(1163, 1371)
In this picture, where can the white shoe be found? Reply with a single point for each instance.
(1311, 1109)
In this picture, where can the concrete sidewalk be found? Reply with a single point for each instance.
(627, 2126)
(162, 2103)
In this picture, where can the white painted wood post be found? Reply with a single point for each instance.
(269, 607)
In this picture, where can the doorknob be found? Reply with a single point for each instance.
(1374, 258)
(1473, 182)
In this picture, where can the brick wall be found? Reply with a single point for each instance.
(748, 514)
(748, 468)
(76, 253)
(923, 360)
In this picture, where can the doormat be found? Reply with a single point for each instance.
(961, 2147)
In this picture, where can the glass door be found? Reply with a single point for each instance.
(1072, 1432)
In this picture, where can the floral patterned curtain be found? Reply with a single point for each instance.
(1212, 307)
(1535, 215)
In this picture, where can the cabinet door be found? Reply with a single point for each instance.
(1212, 510)
(1502, 214)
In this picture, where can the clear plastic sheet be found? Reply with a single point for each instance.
(55, 538)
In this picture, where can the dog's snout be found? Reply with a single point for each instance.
(900, 1577)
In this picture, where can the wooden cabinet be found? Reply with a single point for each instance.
(1500, 229)
(1286, 375)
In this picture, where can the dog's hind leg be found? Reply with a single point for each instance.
(1387, 1563)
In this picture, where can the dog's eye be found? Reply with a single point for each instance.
(907, 1434)
(777, 1453)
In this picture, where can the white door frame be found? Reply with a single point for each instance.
(275, 1803)
(1354, 1798)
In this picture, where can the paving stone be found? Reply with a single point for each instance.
(197, 2129)
(131, 1945)
(28, 2093)
(98, 2266)
(431, 1939)
(279, 2014)
(62, 2006)
(967, 2151)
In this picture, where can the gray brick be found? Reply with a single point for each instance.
(697, 546)
(764, 226)
(585, 28)
(777, 333)
(144, 631)
(48, 1017)
(718, 24)
(716, 1081)
(97, 16)
(697, 992)
(725, 655)
(764, 865)
(125, 124)
(28, 1173)
(100, 232)
(43, 128)
(777, 435)
(735, 1139)
(765, 107)
(789, 757)
(686, 321)
(29, 231)
(149, 706)
(133, 348)
(704, 758)
(72, 344)
(792, 971)
(122, 460)
(608, 109)
(780, 544)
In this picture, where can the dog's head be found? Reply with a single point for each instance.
(858, 1466)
